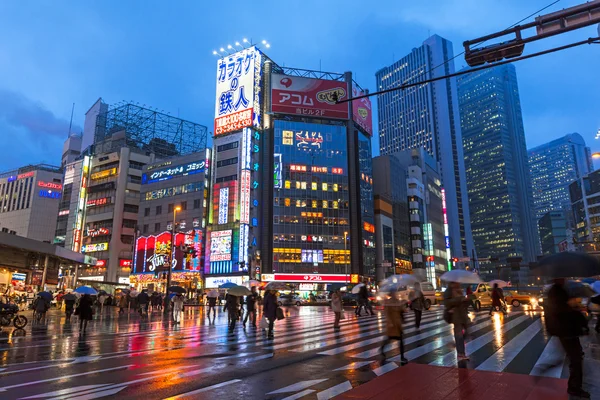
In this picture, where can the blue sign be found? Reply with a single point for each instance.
(195, 167)
(49, 194)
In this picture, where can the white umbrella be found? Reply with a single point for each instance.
(239, 291)
(499, 282)
(278, 286)
(395, 282)
(356, 288)
(213, 293)
(460, 276)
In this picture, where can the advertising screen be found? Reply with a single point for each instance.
(306, 96)
(237, 76)
(220, 245)
(154, 252)
(195, 167)
(362, 112)
(90, 248)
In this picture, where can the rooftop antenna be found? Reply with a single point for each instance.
(71, 122)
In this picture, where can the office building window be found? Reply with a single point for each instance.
(145, 228)
(228, 146)
(170, 208)
(158, 210)
(157, 227)
(197, 202)
(146, 211)
(184, 205)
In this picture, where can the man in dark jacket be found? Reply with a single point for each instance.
(251, 307)
(566, 323)
(143, 300)
(363, 301)
(270, 309)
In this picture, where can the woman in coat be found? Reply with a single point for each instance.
(177, 301)
(85, 311)
(417, 304)
(456, 306)
(336, 307)
(232, 306)
(393, 309)
(270, 309)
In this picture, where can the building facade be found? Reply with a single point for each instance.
(29, 201)
(498, 180)
(554, 233)
(554, 166)
(174, 199)
(585, 204)
(292, 195)
(427, 116)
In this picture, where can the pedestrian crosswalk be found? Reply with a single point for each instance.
(311, 360)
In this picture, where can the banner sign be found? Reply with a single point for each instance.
(362, 112)
(315, 278)
(89, 248)
(306, 96)
(195, 167)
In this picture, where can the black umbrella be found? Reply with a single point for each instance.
(46, 295)
(568, 264)
(69, 297)
(177, 289)
(579, 289)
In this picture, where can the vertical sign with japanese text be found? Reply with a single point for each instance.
(362, 112)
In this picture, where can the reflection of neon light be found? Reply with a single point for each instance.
(446, 231)
(223, 205)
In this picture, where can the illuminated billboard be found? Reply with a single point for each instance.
(362, 111)
(155, 252)
(90, 248)
(309, 97)
(195, 167)
(220, 245)
(238, 91)
(223, 205)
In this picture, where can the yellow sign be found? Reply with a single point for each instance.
(354, 278)
(104, 174)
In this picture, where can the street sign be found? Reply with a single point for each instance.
(386, 264)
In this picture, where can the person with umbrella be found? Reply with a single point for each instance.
(143, 299)
(123, 302)
(41, 305)
(270, 309)
(394, 308)
(498, 301)
(456, 313)
(177, 301)
(337, 307)
(251, 307)
(417, 303)
(69, 300)
(232, 307)
(363, 301)
(212, 303)
(84, 311)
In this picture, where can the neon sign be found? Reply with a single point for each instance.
(244, 197)
(195, 167)
(49, 194)
(308, 139)
(50, 185)
(223, 205)
(369, 227)
(98, 202)
(104, 174)
(90, 248)
(277, 182)
(63, 212)
(26, 175)
(446, 230)
(125, 263)
(101, 263)
(98, 232)
(220, 245)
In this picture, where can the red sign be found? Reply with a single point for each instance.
(101, 263)
(125, 263)
(369, 227)
(76, 240)
(306, 96)
(98, 202)
(98, 232)
(25, 175)
(362, 112)
(315, 278)
(50, 185)
(233, 122)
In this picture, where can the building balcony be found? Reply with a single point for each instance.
(415, 230)
(415, 218)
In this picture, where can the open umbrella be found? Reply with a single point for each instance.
(460, 276)
(579, 289)
(227, 285)
(568, 264)
(596, 286)
(273, 285)
(356, 288)
(46, 295)
(177, 289)
(589, 280)
(69, 297)
(86, 290)
(252, 282)
(239, 291)
(213, 293)
(499, 282)
(395, 282)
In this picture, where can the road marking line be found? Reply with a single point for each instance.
(385, 368)
(206, 389)
(334, 391)
(354, 365)
(298, 386)
(551, 361)
(65, 391)
(299, 395)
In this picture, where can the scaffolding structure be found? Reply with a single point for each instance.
(150, 131)
(308, 73)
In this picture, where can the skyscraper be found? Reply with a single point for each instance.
(553, 167)
(498, 181)
(427, 116)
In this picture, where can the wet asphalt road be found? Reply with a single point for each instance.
(134, 358)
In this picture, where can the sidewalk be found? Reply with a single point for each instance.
(425, 382)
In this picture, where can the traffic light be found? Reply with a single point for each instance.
(455, 259)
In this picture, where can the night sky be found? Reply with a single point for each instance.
(53, 54)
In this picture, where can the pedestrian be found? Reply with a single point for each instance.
(84, 311)
(497, 300)
(40, 306)
(417, 303)
(336, 307)
(59, 299)
(212, 305)
(177, 301)
(456, 313)
(69, 305)
(232, 307)
(270, 309)
(123, 301)
(363, 301)
(596, 302)
(251, 307)
(470, 296)
(567, 324)
(143, 299)
(101, 300)
(393, 311)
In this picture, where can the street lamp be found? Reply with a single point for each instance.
(170, 267)
(345, 240)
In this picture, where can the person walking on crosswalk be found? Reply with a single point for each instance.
(336, 307)
(417, 304)
(456, 313)
(393, 310)
(498, 302)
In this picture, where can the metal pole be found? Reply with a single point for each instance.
(345, 250)
(43, 283)
(170, 267)
(75, 276)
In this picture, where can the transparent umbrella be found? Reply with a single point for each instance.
(460, 276)
(395, 282)
(501, 283)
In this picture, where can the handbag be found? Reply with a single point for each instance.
(279, 314)
(342, 315)
(264, 324)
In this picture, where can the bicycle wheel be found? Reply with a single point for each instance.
(20, 321)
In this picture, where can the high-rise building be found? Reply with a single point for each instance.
(554, 166)
(105, 185)
(292, 195)
(553, 232)
(427, 116)
(584, 194)
(498, 181)
(29, 200)
(71, 149)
